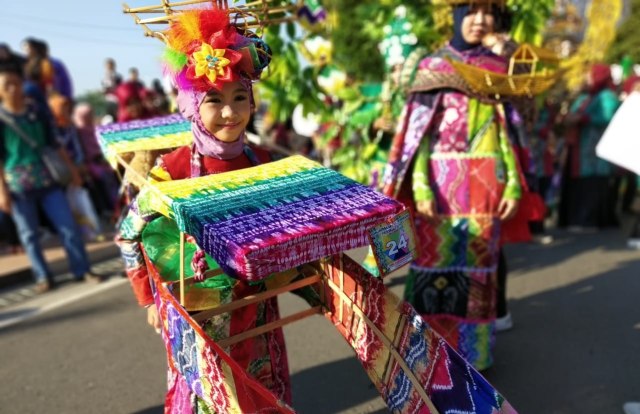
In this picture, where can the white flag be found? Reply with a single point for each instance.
(620, 143)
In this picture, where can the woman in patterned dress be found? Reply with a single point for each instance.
(454, 165)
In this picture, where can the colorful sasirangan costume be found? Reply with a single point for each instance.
(205, 51)
(257, 222)
(588, 196)
(251, 221)
(453, 148)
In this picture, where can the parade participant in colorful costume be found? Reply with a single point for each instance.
(454, 164)
(213, 65)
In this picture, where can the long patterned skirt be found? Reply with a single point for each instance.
(458, 302)
(453, 283)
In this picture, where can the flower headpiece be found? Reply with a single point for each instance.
(204, 51)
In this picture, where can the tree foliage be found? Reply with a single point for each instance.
(356, 29)
(288, 82)
(627, 41)
(530, 19)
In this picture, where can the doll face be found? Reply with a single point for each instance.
(477, 23)
(226, 113)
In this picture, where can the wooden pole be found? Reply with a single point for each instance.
(341, 276)
(138, 179)
(248, 300)
(224, 343)
(182, 268)
(392, 349)
(159, 7)
(156, 20)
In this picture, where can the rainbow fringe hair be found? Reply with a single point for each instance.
(204, 51)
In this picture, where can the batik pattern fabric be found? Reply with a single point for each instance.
(249, 377)
(272, 217)
(412, 366)
(454, 150)
(414, 369)
(163, 132)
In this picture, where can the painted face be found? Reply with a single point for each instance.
(477, 23)
(226, 114)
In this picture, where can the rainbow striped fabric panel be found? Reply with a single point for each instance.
(170, 131)
(273, 217)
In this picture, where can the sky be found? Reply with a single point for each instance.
(82, 33)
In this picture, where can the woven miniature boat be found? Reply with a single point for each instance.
(532, 71)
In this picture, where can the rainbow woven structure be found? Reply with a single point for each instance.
(285, 215)
(146, 134)
(414, 369)
(272, 217)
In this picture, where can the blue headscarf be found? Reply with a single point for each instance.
(458, 42)
(459, 13)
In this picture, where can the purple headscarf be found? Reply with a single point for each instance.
(189, 101)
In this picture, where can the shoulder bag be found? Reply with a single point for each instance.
(55, 164)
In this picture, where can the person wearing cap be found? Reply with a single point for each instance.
(453, 164)
(211, 64)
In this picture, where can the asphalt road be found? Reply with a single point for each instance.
(575, 347)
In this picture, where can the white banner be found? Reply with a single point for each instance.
(620, 143)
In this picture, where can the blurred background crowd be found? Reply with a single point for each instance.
(336, 92)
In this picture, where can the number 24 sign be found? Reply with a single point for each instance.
(395, 250)
(393, 243)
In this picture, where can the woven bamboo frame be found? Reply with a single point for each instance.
(314, 275)
(254, 15)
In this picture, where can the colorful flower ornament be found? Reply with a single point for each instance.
(216, 65)
(205, 51)
(210, 62)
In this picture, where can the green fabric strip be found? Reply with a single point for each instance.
(161, 239)
(479, 118)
